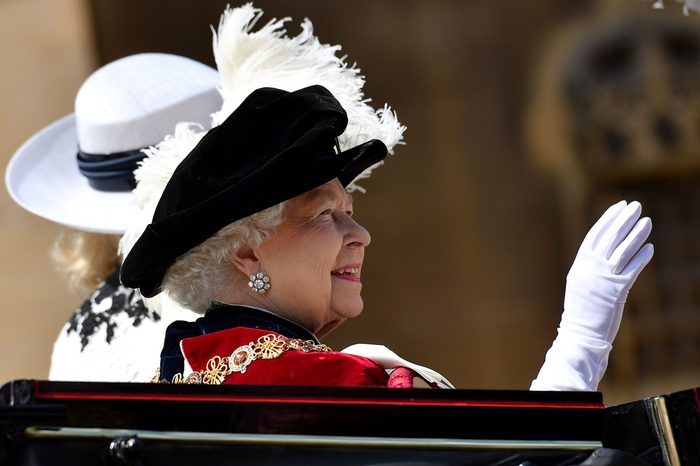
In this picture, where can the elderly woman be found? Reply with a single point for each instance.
(255, 228)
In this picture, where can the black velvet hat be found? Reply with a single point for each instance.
(276, 145)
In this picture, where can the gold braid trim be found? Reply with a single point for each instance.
(269, 346)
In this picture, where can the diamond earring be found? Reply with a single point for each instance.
(259, 283)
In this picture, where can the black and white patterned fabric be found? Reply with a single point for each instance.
(112, 337)
(109, 305)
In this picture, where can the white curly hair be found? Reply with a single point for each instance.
(199, 275)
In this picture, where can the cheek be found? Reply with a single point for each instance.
(304, 262)
(319, 248)
(320, 263)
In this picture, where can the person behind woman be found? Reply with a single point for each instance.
(255, 229)
(78, 172)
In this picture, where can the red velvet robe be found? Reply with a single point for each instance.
(293, 367)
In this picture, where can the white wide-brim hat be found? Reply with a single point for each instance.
(127, 105)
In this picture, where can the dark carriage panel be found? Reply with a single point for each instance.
(45, 422)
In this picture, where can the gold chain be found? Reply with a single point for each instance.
(269, 346)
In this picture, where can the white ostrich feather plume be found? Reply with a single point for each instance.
(687, 5)
(248, 60)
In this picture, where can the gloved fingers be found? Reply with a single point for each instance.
(629, 247)
(602, 224)
(618, 229)
(638, 262)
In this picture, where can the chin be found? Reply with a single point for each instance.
(350, 308)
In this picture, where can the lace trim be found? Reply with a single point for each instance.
(269, 346)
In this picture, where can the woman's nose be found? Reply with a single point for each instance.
(357, 234)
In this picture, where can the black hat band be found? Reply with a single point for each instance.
(110, 172)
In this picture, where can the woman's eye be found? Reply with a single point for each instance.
(326, 212)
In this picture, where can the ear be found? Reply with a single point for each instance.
(246, 261)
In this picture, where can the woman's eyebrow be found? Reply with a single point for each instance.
(322, 194)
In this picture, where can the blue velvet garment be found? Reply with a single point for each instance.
(221, 317)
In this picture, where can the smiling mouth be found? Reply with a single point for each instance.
(350, 273)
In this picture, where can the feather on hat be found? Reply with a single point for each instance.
(687, 5)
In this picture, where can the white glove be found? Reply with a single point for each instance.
(608, 262)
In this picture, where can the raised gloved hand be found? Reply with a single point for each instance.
(608, 262)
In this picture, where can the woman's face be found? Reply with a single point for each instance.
(314, 260)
